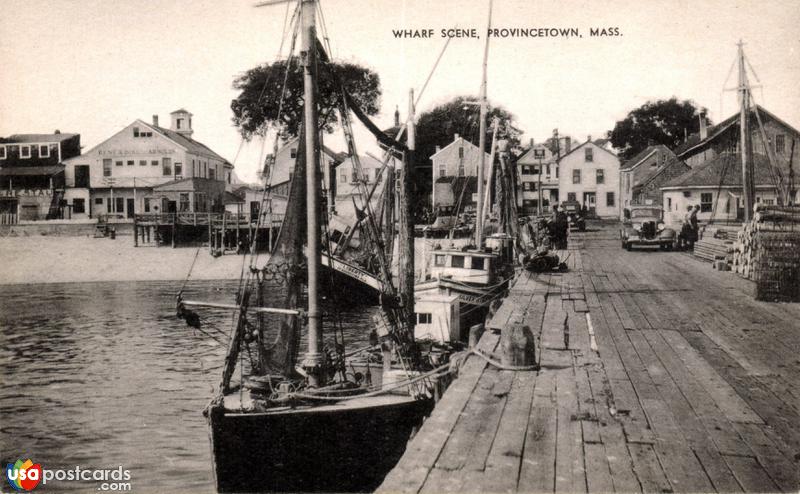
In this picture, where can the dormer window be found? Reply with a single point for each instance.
(44, 151)
(24, 152)
(2, 152)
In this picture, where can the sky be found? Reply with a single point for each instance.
(94, 66)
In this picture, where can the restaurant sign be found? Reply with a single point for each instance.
(26, 193)
(131, 152)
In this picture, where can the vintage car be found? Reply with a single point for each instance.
(574, 215)
(645, 227)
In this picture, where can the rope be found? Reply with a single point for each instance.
(189, 274)
(501, 366)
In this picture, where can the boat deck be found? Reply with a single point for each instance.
(658, 374)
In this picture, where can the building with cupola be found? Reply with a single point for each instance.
(147, 168)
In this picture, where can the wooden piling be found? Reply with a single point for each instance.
(518, 346)
(475, 333)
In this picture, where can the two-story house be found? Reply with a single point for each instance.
(589, 174)
(455, 175)
(146, 168)
(537, 179)
(714, 182)
(32, 175)
(642, 176)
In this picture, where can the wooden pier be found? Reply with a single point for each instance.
(657, 374)
(222, 232)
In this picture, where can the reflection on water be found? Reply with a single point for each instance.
(103, 374)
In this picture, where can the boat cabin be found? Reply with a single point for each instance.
(467, 266)
(438, 316)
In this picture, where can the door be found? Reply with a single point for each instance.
(130, 208)
(120, 205)
(590, 201)
(82, 176)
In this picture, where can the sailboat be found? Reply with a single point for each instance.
(312, 424)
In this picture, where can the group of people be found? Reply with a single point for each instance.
(690, 229)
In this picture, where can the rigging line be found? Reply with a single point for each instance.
(196, 253)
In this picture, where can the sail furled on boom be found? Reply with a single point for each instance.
(285, 266)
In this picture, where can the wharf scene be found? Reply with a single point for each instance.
(362, 275)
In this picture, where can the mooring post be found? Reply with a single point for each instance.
(519, 348)
(136, 232)
(475, 333)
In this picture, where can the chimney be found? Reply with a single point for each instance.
(438, 148)
(589, 138)
(531, 141)
(155, 120)
(703, 128)
(567, 144)
(396, 116)
(455, 138)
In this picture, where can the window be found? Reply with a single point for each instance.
(769, 202)
(461, 169)
(24, 152)
(166, 166)
(442, 170)
(706, 200)
(184, 202)
(293, 153)
(461, 152)
(610, 199)
(212, 172)
(353, 176)
(79, 206)
(82, 176)
(527, 186)
(576, 176)
(669, 204)
(146, 204)
(457, 262)
(527, 170)
(601, 176)
(2, 152)
(343, 177)
(439, 260)
(478, 263)
(98, 201)
(120, 204)
(108, 205)
(44, 151)
(107, 168)
(179, 123)
(424, 318)
(131, 162)
(628, 182)
(136, 132)
(153, 162)
(571, 196)
(687, 193)
(142, 162)
(588, 153)
(178, 169)
(780, 143)
(118, 163)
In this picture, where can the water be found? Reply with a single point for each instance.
(103, 374)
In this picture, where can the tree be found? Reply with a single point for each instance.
(438, 127)
(256, 108)
(664, 122)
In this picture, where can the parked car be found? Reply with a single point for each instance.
(574, 215)
(645, 227)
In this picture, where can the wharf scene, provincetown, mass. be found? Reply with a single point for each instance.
(483, 246)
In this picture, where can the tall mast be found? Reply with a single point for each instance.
(482, 139)
(313, 360)
(744, 138)
(407, 222)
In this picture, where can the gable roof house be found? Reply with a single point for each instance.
(641, 177)
(589, 174)
(146, 168)
(458, 159)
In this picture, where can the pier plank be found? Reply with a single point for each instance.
(648, 470)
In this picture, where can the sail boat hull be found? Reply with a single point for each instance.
(343, 447)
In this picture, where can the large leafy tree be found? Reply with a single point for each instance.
(437, 127)
(664, 122)
(257, 107)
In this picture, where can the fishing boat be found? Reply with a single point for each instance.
(312, 423)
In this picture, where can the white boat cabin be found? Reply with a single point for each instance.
(467, 266)
(438, 316)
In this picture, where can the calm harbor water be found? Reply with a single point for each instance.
(103, 374)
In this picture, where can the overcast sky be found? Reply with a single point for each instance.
(94, 66)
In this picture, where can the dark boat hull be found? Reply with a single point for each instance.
(324, 449)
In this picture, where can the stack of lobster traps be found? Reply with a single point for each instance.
(767, 251)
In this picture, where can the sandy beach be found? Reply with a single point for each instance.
(51, 259)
